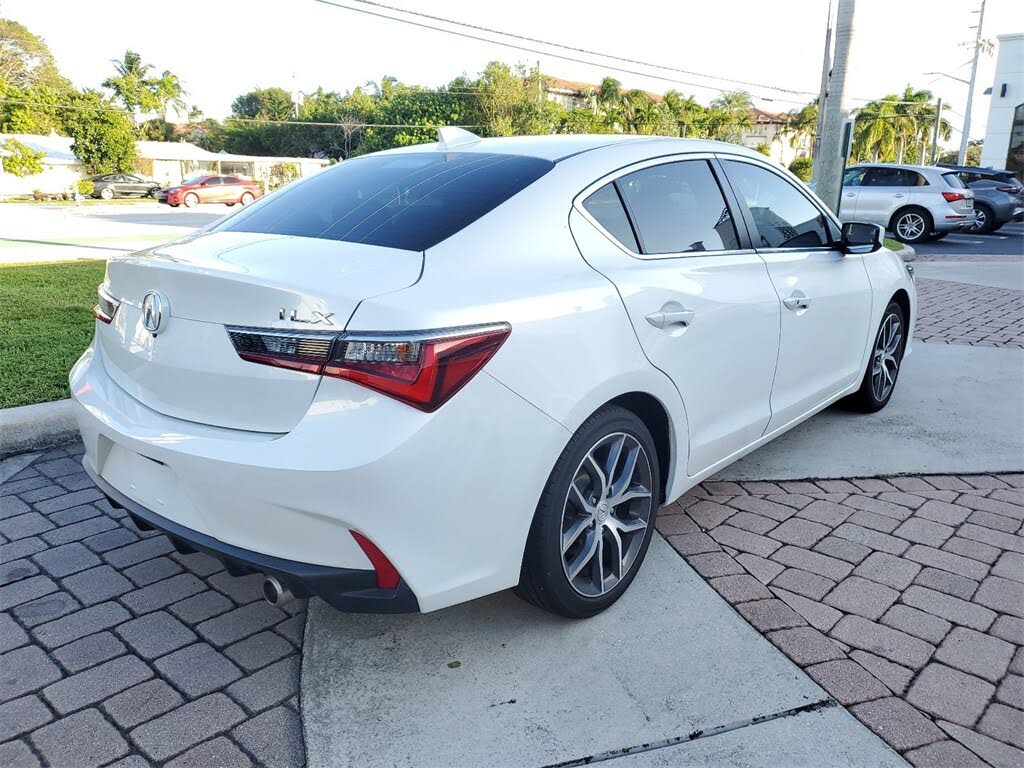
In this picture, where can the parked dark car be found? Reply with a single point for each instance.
(211, 188)
(998, 195)
(113, 185)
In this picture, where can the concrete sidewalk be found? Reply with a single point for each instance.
(957, 410)
(496, 681)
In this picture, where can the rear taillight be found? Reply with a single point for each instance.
(1010, 190)
(953, 196)
(106, 307)
(422, 369)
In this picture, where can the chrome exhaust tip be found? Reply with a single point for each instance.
(276, 593)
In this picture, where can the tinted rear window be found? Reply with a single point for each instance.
(409, 200)
(953, 180)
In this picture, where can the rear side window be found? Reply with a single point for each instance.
(605, 206)
(887, 177)
(783, 216)
(678, 208)
(952, 180)
(916, 179)
(409, 200)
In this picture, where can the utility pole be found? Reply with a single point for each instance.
(830, 160)
(935, 129)
(966, 137)
(826, 68)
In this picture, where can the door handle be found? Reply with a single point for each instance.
(898, 194)
(670, 316)
(796, 303)
(851, 194)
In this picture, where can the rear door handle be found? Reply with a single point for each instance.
(898, 194)
(672, 315)
(797, 302)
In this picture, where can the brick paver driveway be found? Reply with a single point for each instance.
(114, 647)
(903, 597)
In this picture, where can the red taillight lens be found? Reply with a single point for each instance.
(107, 306)
(421, 369)
(1010, 190)
(387, 574)
(953, 196)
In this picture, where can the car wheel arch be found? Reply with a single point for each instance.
(906, 209)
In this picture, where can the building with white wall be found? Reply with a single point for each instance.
(1004, 136)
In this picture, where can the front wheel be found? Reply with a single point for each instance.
(912, 226)
(191, 200)
(107, 193)
(247, 197)
(884, 366)
(595, 518)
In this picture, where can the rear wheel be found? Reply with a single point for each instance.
(984, 220)
(595, 519)
(911, 225)
(191, 200)
(884, 366)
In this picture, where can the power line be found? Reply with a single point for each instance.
(538, 51)
(583, 50)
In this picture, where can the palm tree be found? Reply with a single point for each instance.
(168, 91)
(684, 111)
(801, 125)
(874, 131)
(130, 83)
(736, 110)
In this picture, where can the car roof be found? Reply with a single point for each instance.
(906, 166)
(561, 146)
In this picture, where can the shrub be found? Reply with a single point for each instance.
(801, 168)
(764, 149)
(85, 187)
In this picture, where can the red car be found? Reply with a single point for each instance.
(210, 188)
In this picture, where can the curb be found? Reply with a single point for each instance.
(32, 427)
(906, 253)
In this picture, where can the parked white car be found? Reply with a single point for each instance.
(429, 374)
(914, 202)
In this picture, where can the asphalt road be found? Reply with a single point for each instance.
(1007, 242)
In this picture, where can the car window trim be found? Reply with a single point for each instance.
(833, 228)
(613, 176)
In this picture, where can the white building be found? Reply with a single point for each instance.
(767, 128)
(166, 162)
(1004, 136)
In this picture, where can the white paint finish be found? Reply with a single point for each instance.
(669, 658)
(822, 343)
(346, 458)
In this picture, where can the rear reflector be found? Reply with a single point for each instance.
(387, 574)
(420, 368)
(107, 306)
(953, 196)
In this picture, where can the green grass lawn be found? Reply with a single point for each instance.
(893, 245)
(45, 324)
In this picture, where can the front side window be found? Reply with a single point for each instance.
(783, 216)
(606, 207)
(854, 177)
(408, 200)
(213, 181)
(678, 208)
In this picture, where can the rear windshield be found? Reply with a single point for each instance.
(952, 180)
(408, 200)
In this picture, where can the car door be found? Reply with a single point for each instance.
(825, 294)
(852, 180)
(698, 297)
(136, 186)
(210, 190)
(884, 190)
(232, 189)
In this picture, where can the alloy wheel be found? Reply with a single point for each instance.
(607, 509)
(910, 226)
(886, 363)
(980, 219)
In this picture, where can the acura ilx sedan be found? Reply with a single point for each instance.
(436, 372)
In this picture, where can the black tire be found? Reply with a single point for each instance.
(900, 225)
(935, 236)
(868, 399)
(986, 222)
(544, 580)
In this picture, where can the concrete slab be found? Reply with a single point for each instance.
(1002, 274)
(957, 409)
(496, 681)
(831, 737)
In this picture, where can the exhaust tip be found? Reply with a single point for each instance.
(275, 593)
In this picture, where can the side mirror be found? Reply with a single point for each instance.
(859, 237)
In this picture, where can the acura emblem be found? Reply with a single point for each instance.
(155, 312)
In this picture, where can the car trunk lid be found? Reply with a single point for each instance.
(189, 368)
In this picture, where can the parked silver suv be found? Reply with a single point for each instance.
(914, 202)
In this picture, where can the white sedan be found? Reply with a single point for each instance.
(429, 374)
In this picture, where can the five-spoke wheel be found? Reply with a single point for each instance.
(884, 366)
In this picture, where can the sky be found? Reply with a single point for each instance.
(222, 48)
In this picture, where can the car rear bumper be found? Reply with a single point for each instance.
(347, 589)
(448, 497)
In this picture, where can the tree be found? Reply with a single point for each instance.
(685, 111)
(801, 168)
(104, 136)
(731, 112)
(764, 148)
(801, 124)
(131, 85)
(169, 93)
(26, 60)
(264, 104)
(973, 154)
(20, 159)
